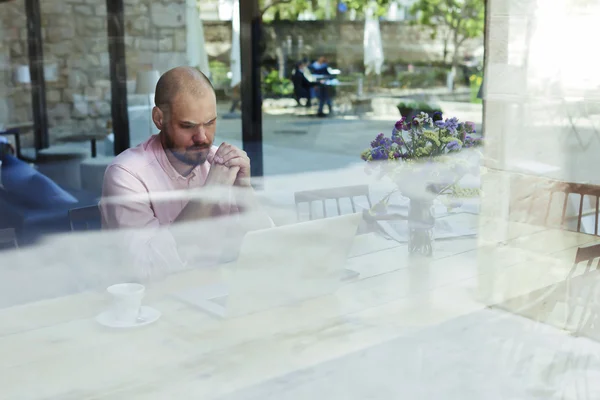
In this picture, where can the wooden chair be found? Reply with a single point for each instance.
(581, 294)
(556, 204)
(573, 296)
(337, 194)
(8, 238)
(578, 189)
(575, 291)
(586, 288)
(85, 218)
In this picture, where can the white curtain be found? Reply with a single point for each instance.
(372, 44)
(236, 59)
(392, 14)
(196, 48)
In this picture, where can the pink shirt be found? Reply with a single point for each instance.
(146, 169)
(135, 174)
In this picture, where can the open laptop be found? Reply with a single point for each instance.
(281, 266)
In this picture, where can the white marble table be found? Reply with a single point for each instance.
(54, 348)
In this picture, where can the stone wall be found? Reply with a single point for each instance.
(342, 42)
(15, 99)
(76, 56)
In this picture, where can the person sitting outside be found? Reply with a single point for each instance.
(320, 67)
(181, 157)
(302, 86)
(325, 98)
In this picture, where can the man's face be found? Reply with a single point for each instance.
(189, 128)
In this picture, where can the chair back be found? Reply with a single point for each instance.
(575, 193)
(341, 195)
(556, 204)
(569, 303)
(588, 253)
(85, 218)
(582, 288)
(8, 238)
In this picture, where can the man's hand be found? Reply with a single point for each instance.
(220, 175)
(232, 157)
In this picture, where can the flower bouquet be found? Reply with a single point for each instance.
(424, 157)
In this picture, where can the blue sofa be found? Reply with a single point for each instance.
(33, 204)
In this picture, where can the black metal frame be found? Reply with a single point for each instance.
(250, 27)
(36, 70)
(118, 74)
(486, 55)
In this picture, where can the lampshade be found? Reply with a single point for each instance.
(146, 81)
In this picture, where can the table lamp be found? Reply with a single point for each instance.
(145, 83)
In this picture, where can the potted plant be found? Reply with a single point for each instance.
(406, 109)
(411, 108)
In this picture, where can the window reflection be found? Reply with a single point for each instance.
(429, 204)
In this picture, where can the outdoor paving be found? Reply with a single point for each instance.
(333, 142)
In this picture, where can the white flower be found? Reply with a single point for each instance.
(424, 118)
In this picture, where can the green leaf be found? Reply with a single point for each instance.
(464, 18)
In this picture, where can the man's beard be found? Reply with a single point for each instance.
(192, 156)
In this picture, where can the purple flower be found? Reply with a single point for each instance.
(400, 124)
(379, 141)
(452, 124)
(471, 141)
(453, 145)
(437, 116)
(379, 154)
(470, 127)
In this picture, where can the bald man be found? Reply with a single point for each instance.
(180, 157)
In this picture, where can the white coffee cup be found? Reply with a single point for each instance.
(127, 301)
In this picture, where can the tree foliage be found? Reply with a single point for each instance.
(459, 20)
(291, 9)
(284, 9)
(381, 6)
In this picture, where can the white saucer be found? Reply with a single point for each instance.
(147, 316)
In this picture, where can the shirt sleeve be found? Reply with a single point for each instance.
(125, 204)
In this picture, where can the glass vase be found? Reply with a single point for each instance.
(421, 222)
